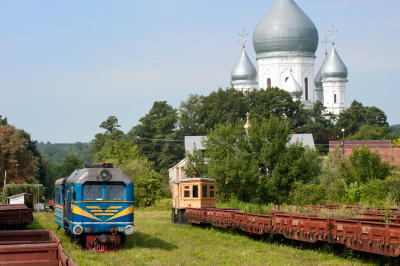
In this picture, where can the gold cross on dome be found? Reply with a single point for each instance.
(243, 38)
(333, 31)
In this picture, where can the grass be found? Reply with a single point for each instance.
(157, 241)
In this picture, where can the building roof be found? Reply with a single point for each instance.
(244, 70)
(305, 139)
(285, 30)
(192, 179)
(318, 78)
(334, 69)
(192, 141)
(372, 144)
(292, 86)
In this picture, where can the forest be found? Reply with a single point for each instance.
(258, 167)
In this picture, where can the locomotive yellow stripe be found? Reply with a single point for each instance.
(127, 211)
(93, 207)
(59, 207)
(98, 201)
(77, 210)
(103, 214)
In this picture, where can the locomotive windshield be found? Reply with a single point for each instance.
(115, 192)
(93, 191)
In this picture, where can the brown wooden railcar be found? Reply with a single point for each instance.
(191, 193)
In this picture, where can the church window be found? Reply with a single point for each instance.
(286, 79)
(268, 83)
(306, 88)
(334, 98)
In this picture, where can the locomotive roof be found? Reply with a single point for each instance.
(91, 174)
(192, 179)
(61, 181)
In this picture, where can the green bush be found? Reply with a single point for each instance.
(381, 192)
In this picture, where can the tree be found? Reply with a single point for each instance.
(363, 165)
(257, 166)
(274, 102)
(111, 124)
(14, 154)
(112, 134)
(370, 132)
(319, 123)
(357, 115)
(190, 123)
(159, 140)
(222, 106)
(3, 121)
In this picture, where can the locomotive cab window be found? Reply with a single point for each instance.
(115, 191)
(93, 191)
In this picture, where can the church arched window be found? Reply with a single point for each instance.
(334, 98)
(306, 88)
(268, 83)
(286, 79)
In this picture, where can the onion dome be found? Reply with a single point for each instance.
(244, 71)
(293, 87)
(318, 78)
(334, 69)
(284, 29)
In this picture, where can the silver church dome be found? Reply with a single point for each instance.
(318, 78)
(244, 70)
(334, 69)
(293, 87)
(285, 28)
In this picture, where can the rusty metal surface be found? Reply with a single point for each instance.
(366, 232)
(12, 215)
(31, 247)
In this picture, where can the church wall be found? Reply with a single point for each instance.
(330, 89)
(278, 69)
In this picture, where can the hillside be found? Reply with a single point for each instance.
(56, 152)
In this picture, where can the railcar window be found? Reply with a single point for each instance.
(212, 192)
(115, 192)
(195, 191)
(204, 191)
(186, 192)
(93, 191)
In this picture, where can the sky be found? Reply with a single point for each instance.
(66, 66)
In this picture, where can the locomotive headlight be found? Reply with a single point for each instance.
(78, 230)
(104, 174)
(129, 230)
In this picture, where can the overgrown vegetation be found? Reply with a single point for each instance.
(11, 190)
(157, 241)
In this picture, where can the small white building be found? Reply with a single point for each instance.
(191, 143)
(17, 199)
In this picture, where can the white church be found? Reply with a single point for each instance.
(285, 42)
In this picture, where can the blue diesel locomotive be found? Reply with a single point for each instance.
(95, 206)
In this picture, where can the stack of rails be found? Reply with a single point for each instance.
(14, 216)
(362, 233)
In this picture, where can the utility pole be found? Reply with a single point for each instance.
(16, 166)
(343, 143)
